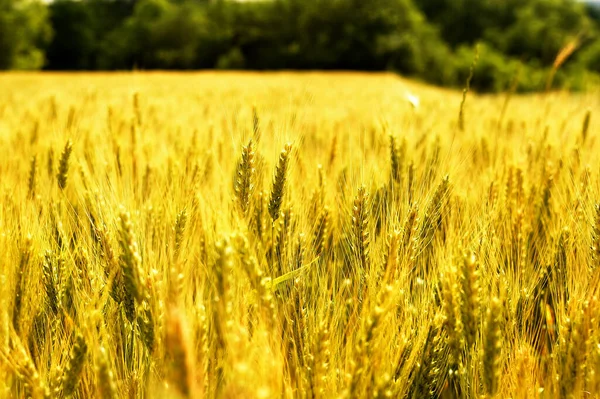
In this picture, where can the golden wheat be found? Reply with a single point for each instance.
(391, 254)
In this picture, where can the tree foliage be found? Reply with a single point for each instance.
(24, 31)
(433, 40)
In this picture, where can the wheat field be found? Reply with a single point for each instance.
(342, 235)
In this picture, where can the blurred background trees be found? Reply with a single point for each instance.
(432, 40)
(24, 33)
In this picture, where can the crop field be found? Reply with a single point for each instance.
(282, 235)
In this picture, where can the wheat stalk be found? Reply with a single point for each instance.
(243, 183)
(63, 165)
(279, 180)
(74, 369)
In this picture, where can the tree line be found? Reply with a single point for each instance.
(518, 41)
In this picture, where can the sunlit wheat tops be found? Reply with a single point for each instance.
(74, 368)
(63, 165)
(256, 132)
(321, 231)
(360, 220)
(20, 280)
(492, 347)
(596, 239)
(586, 125)
(106, 379)
(19, 361)
(397, 155)
(130, 262)
(302, 282)
(469, 298)
(394, 159)
(180, 224)
(32, 178)
(181, 373)
(279, 179)
(243, 184)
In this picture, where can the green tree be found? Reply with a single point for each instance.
(542, 28)
(85, 34)
(162, 34)
(24, 31)
(74, 44)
